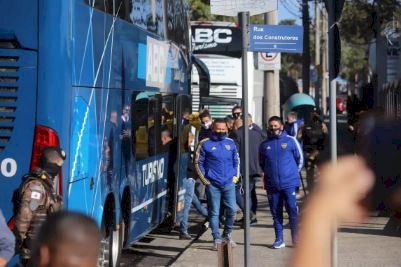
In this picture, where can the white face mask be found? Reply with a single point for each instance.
(206, 125)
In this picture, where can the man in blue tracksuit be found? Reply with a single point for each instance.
(216, 162)
(281, 159)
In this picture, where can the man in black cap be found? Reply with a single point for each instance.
(36, 199)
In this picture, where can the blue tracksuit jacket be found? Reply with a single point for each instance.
(281, 159)
(216, 161)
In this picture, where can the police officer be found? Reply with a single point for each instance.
(281, 159)
(216, 162)
(36, 199)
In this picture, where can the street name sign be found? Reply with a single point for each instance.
(276, 38)
(233, 7)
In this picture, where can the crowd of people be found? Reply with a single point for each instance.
(276, 155)
(212, 153)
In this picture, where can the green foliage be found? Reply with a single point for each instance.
(358, 27)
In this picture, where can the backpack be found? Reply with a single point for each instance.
(313, 134)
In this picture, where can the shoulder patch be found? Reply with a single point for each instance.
(37, 188)
(36, 195)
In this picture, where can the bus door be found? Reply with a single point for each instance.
(169, 123)
(219, 107)
(184, 109)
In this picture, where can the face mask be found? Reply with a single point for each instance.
(51, 168)
(275, 132)
(221, 135)
(206, 125)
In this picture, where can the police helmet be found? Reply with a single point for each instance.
(53, 154)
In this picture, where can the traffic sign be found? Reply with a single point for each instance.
(233, 7)
(269, 61)
(276, 38)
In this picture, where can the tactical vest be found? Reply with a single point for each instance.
(52, 203)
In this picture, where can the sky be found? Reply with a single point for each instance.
(287, 9)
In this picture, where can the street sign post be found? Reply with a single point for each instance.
(244, 8)
(276, 38)
(233, 7)
(269, 61)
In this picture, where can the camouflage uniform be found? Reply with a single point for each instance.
(37, 198)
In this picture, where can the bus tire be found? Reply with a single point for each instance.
(126, 217)
(110, 246)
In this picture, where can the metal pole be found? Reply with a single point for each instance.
(306, 53)
(333, 115)
(244, 22)
(325, 83)
(317, 54)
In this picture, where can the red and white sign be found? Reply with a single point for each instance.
(269, 61)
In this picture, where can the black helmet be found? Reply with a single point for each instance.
(52, 159)
(53, 154)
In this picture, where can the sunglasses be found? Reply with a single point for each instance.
(237, 114)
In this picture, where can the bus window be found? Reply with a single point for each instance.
(139, 113)
(122, 9)
(154, 124)
(148, 14)
(126, 134)
(178, 23)
(102, 5)
(146, 119)
(168, 114)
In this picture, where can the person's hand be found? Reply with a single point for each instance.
(235, 179)
(343, 187)
(3, 262)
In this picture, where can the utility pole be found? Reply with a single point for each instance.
(381, 57)
(271, 81)
(317, 54)
(243, 18)
(325, 57)
(306, 53)
(333, 61)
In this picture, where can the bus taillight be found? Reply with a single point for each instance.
(45, 137)
(11, 223)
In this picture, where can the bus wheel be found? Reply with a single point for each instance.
(110, 247)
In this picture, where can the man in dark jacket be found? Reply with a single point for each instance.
(256, 137)
(281, 158)
(216, 162)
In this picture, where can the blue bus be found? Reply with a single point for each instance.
(102, 79)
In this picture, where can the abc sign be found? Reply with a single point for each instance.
(221, 36)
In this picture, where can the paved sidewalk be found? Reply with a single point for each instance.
(374, 243)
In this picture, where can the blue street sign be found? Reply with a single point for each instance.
(276, 38)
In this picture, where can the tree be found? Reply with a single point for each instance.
(358, 26)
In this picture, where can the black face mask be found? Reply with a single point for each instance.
(51, 168)
(221, 135)
(275, 132)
